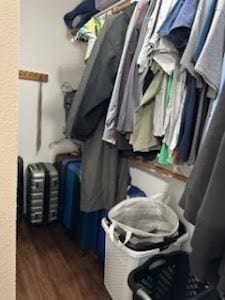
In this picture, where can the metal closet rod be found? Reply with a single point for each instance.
(115, 8)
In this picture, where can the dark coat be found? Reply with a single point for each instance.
(204, 203)
(95, 90)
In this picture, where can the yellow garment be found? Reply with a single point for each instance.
(93, 27)
(142, 138)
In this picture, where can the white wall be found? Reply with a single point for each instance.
(44, 47)
(8, 152)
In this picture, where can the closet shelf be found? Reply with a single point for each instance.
(152, 166)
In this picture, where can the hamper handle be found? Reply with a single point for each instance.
(112, 228)
(143, 295)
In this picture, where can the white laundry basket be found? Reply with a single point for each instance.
(120, 261)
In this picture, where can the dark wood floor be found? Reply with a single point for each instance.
(50, 267)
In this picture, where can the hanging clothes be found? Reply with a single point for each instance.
(178, 24)
(142, 138)
(203, 203)
(199, 126)
(89, 107)
(209, 11)
(133, 89)
(130, 45)
(173, 107)
(186, 59)
(188, 121)
(89, 70)
(105, 174)
(214, 102)
(209, 63)
(161, 10)
(160, 109)
(104, 178)
(80, 14)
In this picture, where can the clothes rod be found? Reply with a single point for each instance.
(28, 75)
(115, 8)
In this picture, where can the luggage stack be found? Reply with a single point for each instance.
(42, 194)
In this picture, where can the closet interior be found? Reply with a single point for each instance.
(120, 191)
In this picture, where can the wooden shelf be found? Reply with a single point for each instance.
(152, 166)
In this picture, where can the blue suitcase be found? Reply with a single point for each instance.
(82, 227)
(100, 246)
(62, 181)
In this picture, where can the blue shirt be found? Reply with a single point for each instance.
(171, 18)
(210, 6)
(177, 25)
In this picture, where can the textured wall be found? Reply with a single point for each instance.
(44, 47)
(8, 125)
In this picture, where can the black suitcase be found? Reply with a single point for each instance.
(42, 194)
(20, 189)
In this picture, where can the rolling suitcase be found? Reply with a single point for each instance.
(62, 181)
(60, 158)
(42, 194)
(20, 189)
(35, 193)
(51, 193)
(70, 193)
(83, 227)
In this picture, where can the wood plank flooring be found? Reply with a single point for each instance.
(50, 267)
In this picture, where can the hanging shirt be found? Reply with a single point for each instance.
(160, 109)
(171, 18)
(164, 155)
(166, 55)
(176, 131)
(199, 126)
(142, 138)
(209, 10)
(178, 24)
(133, 88)
(188, 120)
(210, 61)
(186, 60)
(143, 55)
(110, 124)
(173, 109)
(160, 13)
